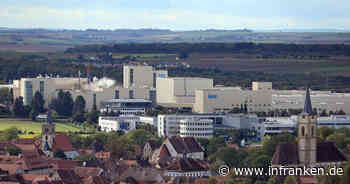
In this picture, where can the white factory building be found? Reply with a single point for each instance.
(321, 100)
(170, 125)
(180, 91)
(224, 99)
(334, 121)
(141, 76)
(113, 123)
(126, 106)
(196, 127)
(200, 94)
(125, 123)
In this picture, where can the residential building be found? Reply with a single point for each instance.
(141, 76)
(186, 147)
(180, 91)
(149, 149)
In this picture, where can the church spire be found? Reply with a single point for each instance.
(307, 105)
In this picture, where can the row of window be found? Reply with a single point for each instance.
(196, 129)
(196, 135)
(196, 124)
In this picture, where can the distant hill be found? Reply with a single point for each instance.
(61, 39)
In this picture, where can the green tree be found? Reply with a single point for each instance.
(38, 102)
(59, 153)
(63, 104)
(215, 143)
(324, 132)
(13, 150)
(339, 139)
(272, 180)
(92, 116)
(290, 180)
(9, 134)
(5, 96)
(18, 108)
(270, 143)
(79, 105)
(212, 180)
(345, 179)
(37, 105)
(139, 137)
(120, 148)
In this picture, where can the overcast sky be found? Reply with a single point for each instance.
(176, 14)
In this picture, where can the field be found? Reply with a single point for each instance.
(55, 40)
(35, 127)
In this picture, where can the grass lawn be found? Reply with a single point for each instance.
(35, 127)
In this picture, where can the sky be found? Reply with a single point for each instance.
(176, 14)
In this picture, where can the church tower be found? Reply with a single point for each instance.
(48, 134)
(307, 126)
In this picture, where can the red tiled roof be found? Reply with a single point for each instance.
(307, 180)
(103, 155)
(61, 141)
(287, 154)
(64, 164)
(34, 177)
(68, 177)
(164, 151)
(32, 160)
(328, 152)
(185, 145)
(85, 151)
(96, 180)
(188, 164)
(10, 168)
(85, 172)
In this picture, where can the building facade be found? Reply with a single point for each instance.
(141, 76)
(197, 127)
(170, 125)
(225, 99)
(110, 123)
(126, 106)
(180, 90)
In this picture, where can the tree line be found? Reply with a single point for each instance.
(244, 47)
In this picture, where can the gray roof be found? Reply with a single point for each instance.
(307, 105)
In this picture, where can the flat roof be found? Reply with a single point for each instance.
(127, 100)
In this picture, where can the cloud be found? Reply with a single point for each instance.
(234, 14)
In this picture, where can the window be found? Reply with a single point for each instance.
(131, 94)
(116, 94)
(154, 80)
(303, 131)
(41, 88)
(131, 77)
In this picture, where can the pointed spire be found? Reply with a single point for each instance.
(307, 105)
